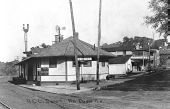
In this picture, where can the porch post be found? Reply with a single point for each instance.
(66, 70)
(19, 71)
(24, 70)
(36, 71)
(143, 61)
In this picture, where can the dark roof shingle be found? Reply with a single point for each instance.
(66, 48)
(119, 59)
(119, 48)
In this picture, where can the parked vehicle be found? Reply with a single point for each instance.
(110, 76)
(114, 76)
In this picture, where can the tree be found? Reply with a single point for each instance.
(131, 43)
(44, 45)
(2, 65)
(142, 41)
(128, 41)
(10, 68)
(159, 19)
(105, 45)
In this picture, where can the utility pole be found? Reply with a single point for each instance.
(25, 37)
(168, 33)
(75, 37)
(98, 48)
(156, 54)
(149, 66)
(143, 60)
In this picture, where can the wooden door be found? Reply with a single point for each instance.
(30, 71)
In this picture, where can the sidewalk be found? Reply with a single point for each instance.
(59, 89)
(69, 88)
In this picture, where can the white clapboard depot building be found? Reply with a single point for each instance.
(57, 62)
(120, 65)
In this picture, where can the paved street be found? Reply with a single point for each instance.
(113, 97)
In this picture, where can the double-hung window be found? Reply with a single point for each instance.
(87, 64)
(52, 63)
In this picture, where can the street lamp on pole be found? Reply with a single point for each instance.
(25, 39)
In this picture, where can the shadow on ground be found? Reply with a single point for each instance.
(156, 81)
(17, 80)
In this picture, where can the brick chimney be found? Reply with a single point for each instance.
(76, 35)
(58, 39)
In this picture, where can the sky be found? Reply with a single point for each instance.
(119, 18)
